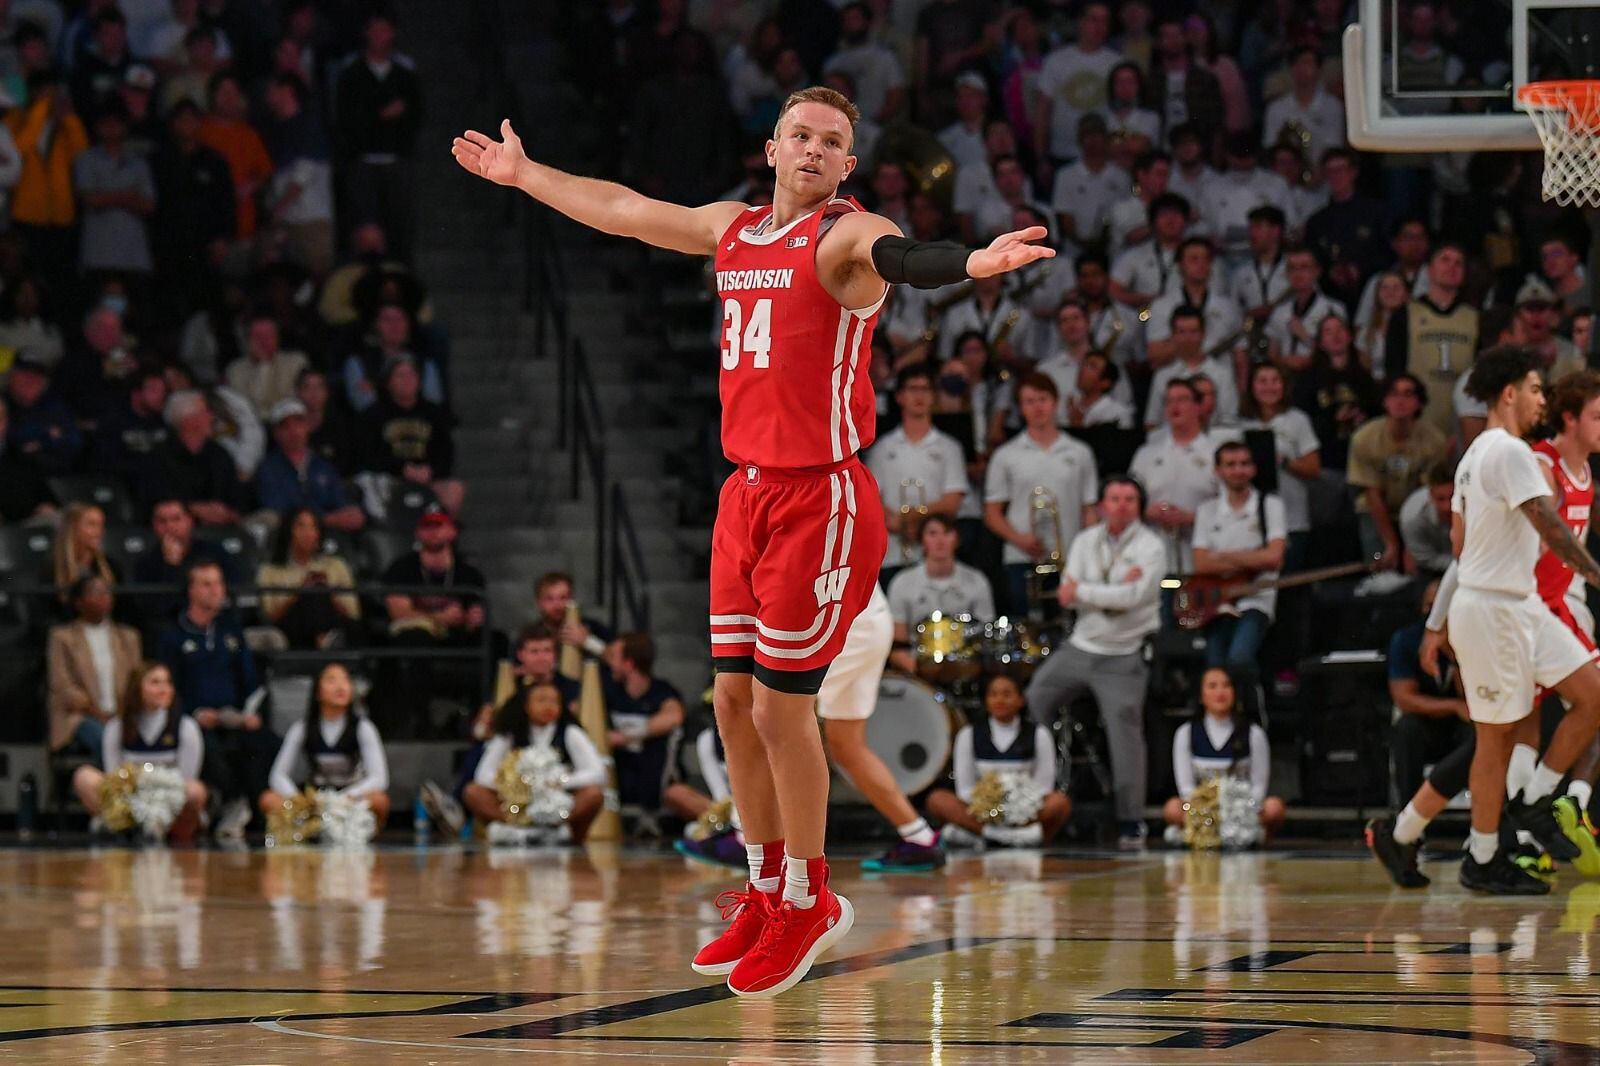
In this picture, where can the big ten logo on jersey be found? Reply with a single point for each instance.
(830, 584)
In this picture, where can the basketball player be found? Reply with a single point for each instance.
(1507, 641)
(847, 698)
(800, 533)
(1574, 409)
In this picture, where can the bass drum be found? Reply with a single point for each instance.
(912, 731)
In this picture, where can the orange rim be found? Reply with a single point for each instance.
(1577, 93)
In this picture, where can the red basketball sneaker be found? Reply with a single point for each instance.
(790, 943)
(751, 912)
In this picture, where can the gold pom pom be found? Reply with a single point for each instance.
(116, 790)
(717, 819)
(1202, 816)
(513, 789)
(989, 800)
(296, 821)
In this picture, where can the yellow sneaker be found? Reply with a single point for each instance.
(1576, 827)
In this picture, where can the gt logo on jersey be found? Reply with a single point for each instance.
(830, 584)
(797, 242)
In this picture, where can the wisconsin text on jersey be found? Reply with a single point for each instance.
(740, 280)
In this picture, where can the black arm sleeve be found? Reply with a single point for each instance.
(920, 264)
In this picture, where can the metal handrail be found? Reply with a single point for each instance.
(630, 584)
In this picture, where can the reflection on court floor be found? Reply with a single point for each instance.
(446, 956)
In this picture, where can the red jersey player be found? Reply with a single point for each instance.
(799, 531)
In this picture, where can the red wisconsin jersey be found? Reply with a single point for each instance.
(1574, 497)
(795, 386)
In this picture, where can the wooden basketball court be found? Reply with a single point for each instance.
(445, 956)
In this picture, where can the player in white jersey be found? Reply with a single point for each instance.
(845, 702)
(1506, 641)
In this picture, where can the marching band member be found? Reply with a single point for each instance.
(335, 747)
(920, 469)
(941, 583)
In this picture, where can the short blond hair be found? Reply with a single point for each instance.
(819, 94)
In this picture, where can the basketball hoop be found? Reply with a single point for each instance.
(1567, 116)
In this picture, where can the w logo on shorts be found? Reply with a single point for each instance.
(830, 585)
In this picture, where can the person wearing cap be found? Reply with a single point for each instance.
(434, 618)
(1084, 191)
(293, 476)
(118, 194)
(1072, 83)
(963, 138)
(137, 93)
(264, 374)
(1243, 187)
(406, 436)
(41, 427)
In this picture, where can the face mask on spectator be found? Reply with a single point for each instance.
(954, 384)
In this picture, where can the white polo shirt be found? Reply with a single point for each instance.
(935, 461)
(1062, 369)
(1293, 437)
(1310, 318)
(1322, 119)
(914, 594)
(1087, 195)
(1218, 311)
(1255, 283)
(1180, 474)
(1220, 527)
(1065, 468)
(1220, 373)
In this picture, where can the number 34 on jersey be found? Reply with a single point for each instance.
(746, 334)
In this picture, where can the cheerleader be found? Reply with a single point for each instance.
(336, 747)
(150, 729)
(1003, 742)
(689, 803)
(1219, 741)
(543, 721)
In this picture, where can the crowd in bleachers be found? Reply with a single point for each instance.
(1229, 272)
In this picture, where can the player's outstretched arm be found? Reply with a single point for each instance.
(601, 205)
(1558, 537)
(868, 251)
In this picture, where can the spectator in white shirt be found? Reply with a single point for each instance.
(1038, 470)
(919, 470)
(1244, 186)
(1114, 328)
(1305, 197)
(1149, 269)
(1425, 523)
(1094, 401)
(974, 185)
(996, 213)
(940, 583)
(1199, 288)
(1003, 741)
(1126, 117)
(1128, 221)
(1291, 329)
(1085, 190)
(1072, 84)
(1177, 471)
(963, 138)
(1219, 741)
(1239, 534)
(1307, 116)
(335, 747)
(537, 717)
(987, 311)
(1192, 177)
(1065, 363)
(1259, 284)
(1185, 356)
(1296, 448)
(1112, 580)
(878, 76)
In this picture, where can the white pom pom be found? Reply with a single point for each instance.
(346, 822)
(157, 799)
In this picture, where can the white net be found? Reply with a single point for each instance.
(1567, 116)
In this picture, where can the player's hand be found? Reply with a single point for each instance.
(1433, 642)
(498, 161)
(1010, 251)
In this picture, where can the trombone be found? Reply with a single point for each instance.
(1044, 522)
(913, 502)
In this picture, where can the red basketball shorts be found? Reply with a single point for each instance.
(794, 557)
(1575, 616)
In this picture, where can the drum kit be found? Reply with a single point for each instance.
(914, 726)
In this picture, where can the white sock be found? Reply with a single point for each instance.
(755, 855)
(1544, 783)
(1482, 846)
(1409, 825)
(797, 883)
(917, 832)
(1519, 771)
(1525, 837)
(1581, 792)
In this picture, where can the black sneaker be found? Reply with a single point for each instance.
(906, 857)
(1397, 858)
(1500, 877)
(1539, 818)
